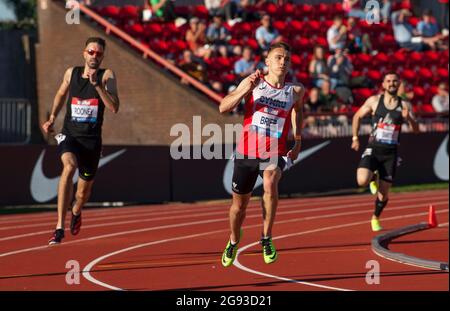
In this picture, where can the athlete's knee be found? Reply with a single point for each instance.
(382, 196)
(362, 181)
(271, 185)
(69, 168)
(82, 195)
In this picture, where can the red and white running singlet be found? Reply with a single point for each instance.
(267, 121)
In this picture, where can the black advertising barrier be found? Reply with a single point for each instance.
(149, 174)
(126, 173)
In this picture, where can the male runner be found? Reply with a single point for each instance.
(388, 112)
(270, 105)
(90, 89)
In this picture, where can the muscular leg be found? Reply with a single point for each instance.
(363, 176)
(82, 195)
(65, 188)
(237, 214)
(382, 197)
(270, 199)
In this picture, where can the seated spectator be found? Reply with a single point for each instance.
(266, 34)
(247, 64)
(340, 69)
(327, 98)
(357, 41)
(162, 9)
(405, 34)
(313, 102)
(440, 101)
(196, 38)
(218, 36)
(386, 11)
(428, 28)
(217, 86)
(193, 67)
(337, 34)
(318, 68)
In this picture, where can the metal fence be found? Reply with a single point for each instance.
(15, 121)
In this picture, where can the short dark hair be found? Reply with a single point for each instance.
(98, 40)
(279, 45)
(391, 72)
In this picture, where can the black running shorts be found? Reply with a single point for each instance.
(86, 152)
(383, 160)
(246, 172)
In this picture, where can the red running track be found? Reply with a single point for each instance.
(323, 244)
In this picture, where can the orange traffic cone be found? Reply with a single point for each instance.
(432, 221)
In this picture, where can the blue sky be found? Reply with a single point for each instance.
(5, 12)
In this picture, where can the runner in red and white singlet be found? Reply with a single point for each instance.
(271, 107)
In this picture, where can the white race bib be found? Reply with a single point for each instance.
(268, 124)
(84, 110)
(387, 133)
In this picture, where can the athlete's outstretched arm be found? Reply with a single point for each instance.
(408, 115)
(108, 91)
(366, 108)
(297, 122)
(58, 101)
(233, 99)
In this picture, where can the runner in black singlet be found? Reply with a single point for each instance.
(388, 112)
(89, 90)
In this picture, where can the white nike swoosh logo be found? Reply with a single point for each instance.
(44, 189)
(228, 172)
(441, 161)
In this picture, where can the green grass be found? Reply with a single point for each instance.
(422, 187)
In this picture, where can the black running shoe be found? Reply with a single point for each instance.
(57, 237)
(75, 224)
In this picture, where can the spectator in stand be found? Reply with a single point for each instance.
(193, 67)
(337, 34)
(357, 41)
(266, 34)
(327, 98)
(247, 64)
(340, 69)
(318, 68)
(313, 102)
(440, 101)
(385, 12)
(217, 86)
(428, 28)
(218, 36)
(405, 34)
(162, 9)
(196, 38)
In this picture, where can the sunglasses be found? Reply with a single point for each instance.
(94, 53)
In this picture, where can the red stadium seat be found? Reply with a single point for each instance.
(382, 60)
(419, 94)
(288, 9)
(281, 27)
(375, 76)
(296, 61)
(425, 75)
(160, 46)
(427, 108)
(201, 12)
(270, 8)
(135, 30)
(178, 46)
(442, 75)
(432, 58)
(129, 13)
(110, 11)
(409, 75)
(153, 30)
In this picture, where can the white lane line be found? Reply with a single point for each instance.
(194, 207)
(281, 207)
(87, 269)
(244, 268)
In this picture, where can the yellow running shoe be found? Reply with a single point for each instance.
(269, 251)
(230, 252)
(375, 222)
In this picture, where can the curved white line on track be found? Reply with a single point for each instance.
(89, 266)
(281, 207)
(244, 268)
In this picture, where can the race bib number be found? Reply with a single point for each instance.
(387, 133)
(84, 110)
(268, 124)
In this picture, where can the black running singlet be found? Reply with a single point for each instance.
(387, 125)
(85, 108)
